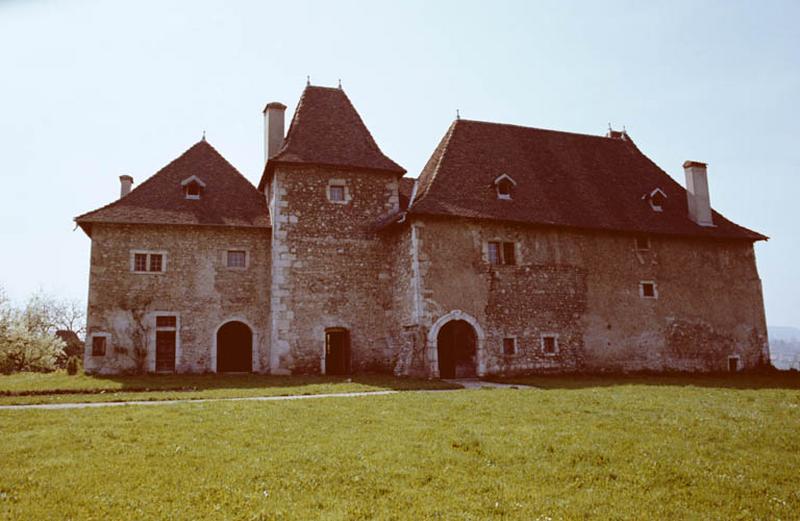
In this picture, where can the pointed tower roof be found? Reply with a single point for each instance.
(228, 198)
(326, 130)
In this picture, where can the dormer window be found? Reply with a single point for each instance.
(193, 187)
(656, 199)
(504, 186)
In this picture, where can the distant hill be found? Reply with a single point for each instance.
(784, 346)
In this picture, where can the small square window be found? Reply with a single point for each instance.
(193, 190)
(493, 253)
(549, 344)
(237, 259)
(648, 289)
(166, 321)
(156, 263)
(642, 243)
(98, 346)
(509, 346)
(140, 262)
(336, 193)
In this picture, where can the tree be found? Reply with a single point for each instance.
(138, 332)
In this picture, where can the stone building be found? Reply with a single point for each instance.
(516, 250)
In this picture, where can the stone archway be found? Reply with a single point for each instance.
(456, 349)
(465, 326)
(234, 348)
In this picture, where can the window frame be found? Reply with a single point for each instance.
(514, 345)
(642, 285)
(226, 258)
(502, 250)
(338, 184)
(148, 262)
(106, 343)
(556, 348)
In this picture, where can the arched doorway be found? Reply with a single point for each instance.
(456, 350)
(234, 348)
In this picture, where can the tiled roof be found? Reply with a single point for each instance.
(228, 198)
(562, 179)
(327, 130)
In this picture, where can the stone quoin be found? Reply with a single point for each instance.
(516, 250)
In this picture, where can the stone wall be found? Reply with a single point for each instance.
(197, 287)
(584, 288)
(330, 268)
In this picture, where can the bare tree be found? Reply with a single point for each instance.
(138, 332)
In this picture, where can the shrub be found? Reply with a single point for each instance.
(23, 349)
(72, 365)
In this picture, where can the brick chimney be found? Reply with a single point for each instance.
(697, 193)
(273, 128)
(125, 184)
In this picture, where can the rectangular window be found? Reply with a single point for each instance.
(642, 243)
(647, 289)
(508, 253)
(501, 253)
(550, 344)
(336, 193)
(147, 262)
(509, 346)
(156, 262)
(98, 346)
(493, 252)
(140, 262)
(166, 321)
(237, 259)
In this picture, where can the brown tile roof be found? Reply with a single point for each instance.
(563, 179)
(327, 130)
(228, 198)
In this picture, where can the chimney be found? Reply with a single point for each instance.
(125, 183)
(273, 128)
(697, 193)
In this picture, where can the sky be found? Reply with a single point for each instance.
(91, 90)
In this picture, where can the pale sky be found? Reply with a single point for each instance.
(91, 90)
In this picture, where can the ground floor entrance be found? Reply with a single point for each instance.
(456, 350)
(234, 348)
(337, 351)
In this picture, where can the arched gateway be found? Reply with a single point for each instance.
(234, 348)
(455, 346)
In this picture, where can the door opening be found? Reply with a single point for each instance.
(337, 351)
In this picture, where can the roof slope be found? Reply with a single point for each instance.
(327, 130)
(228, 198)
(563, 179)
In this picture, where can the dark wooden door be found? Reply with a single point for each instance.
(165, 351)
(456, 350)
(337, 352)
(234, 348)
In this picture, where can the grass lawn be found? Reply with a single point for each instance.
(33, 388)
(580, 449)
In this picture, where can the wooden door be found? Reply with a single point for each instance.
(165, 351)
(337, 351)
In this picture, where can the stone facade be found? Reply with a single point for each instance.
(330, 267)
(583, 289)
(196, 287)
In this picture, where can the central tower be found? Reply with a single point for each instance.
(328, 187)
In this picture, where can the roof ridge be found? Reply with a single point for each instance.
(540, 129)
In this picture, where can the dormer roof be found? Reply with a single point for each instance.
(327, 130)
(229, 198)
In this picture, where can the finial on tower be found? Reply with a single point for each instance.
(308, 81)
(204, 135)
(340, 83)
(458, 114)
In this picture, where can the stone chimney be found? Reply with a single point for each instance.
(697, 193)
(125, 184)
(273, 128)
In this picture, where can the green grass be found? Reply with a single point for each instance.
(598, 450)
(35, 388)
